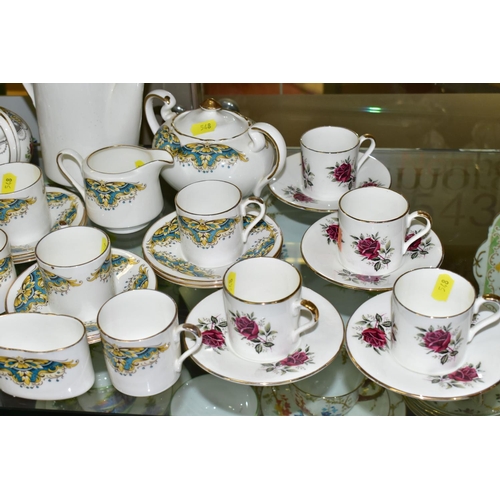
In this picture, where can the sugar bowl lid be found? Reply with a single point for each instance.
(210, 122)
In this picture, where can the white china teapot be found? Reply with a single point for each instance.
(222, 144)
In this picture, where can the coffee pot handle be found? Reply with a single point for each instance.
(166, 110)
(259, 133)
(76, 158)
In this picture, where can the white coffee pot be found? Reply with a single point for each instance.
(211, 143)
(84, 117)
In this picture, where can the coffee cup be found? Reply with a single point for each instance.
(7, 269)
(433, 324)
(210, 216)
(373, 229)
(24, 211)
(330, 162)
(331, 392)
(75, 265)
(44, 356)
(140, 332)
(263, 304)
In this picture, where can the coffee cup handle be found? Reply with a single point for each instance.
(480, 325)
(368, 152)
(252, 200)
(308, 306)
(75, 157)
(423, 232)
(186, 327)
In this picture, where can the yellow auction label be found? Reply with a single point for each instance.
(443, 287)
(231, 282)
(104, 244)
(203, 127)
(8, 183)
(139, 163)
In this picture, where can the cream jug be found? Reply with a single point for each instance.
(120, 184)
(211, 143)
(84, 117)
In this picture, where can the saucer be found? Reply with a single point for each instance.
(207, 395)
(317, 349)
(27, 294)
(320, 252)
(65, 208)
(480, 372)
(279, 401)
(289, 188)
(162, 249)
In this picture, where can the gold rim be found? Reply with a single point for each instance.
(103, 252)
(333, 152)
(84, 333)
(15, 193)
(278, 301)
(212, 214)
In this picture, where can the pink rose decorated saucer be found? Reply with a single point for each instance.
(367, 342)
(317, 349)
(288, 186)
(319, 251)
(279, 402)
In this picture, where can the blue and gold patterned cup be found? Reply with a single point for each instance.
(141, 336)
(210, 216)
(24, 211)
(75, 265)
(7, 269)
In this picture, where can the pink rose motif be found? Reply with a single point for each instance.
(302, 197)
(437, 340)
(333, 231)
(343, 172)
(212, 338)
(247, 328)
(369, 248)
(414, 246)
(370, 183)
(295, 359)
(369, 279)
(465, 374)
(375, 337)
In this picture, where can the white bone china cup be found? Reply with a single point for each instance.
(7, 269)
(211, 222)
(374, 228)
(263, 304)
(433, 320)
(141, 336)
(330, 162)
(24, 211)
(75, 265)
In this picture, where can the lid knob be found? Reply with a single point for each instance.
(210, 104)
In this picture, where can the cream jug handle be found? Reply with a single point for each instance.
(166, 110)
(73, 155)
(31, 92)
(259, 132)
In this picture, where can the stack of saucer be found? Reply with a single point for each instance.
(162, 250)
